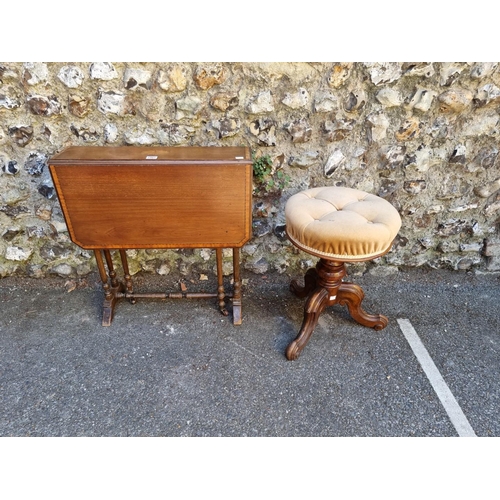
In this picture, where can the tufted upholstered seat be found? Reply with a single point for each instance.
(341, 223)
(338, 225)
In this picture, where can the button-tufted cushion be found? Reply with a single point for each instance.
(341, 223)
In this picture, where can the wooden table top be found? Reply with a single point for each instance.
(112, 197)
(150, 154)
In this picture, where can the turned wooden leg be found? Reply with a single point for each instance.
(110, 292)
(236, 288)
(111, 269)
(221, 294)
(128, 279)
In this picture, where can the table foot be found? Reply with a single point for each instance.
(109, 304)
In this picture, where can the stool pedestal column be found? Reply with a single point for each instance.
(323, 287)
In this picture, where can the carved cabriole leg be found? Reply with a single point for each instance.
(109, 292)
(351, 295)
(310, 280)
(236, 288)
(315, 305)
(326, 288)
(221, 294)
(327, 278)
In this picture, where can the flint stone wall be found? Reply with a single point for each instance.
(424, 136)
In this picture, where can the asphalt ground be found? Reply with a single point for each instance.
(172, 368)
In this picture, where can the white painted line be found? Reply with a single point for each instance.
(457, 417)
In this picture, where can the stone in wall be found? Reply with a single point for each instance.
(260, 103)
(224, 101)
(102, 71)
(304, 160)
(175, 134)
(486, 190)
(387, 187)
(264, 129)
(381, 73)
(422, 99)
(172, 79)
(43, 105)
(378, 125)
(35, 73)
(452, 227)
(454, 100)
(451, 187)
(393, 157)
(458, 155)
(188, 107)
(87, 134)
(47, 191)
(492, 252)
(389, 97)
(17, 253)
(482, 70)
(422, 69)
(137, 78)
(409, 130)
(325, 101)
(355, 101)
(484, 123)
(449, 73)
(487, 95)
(111, 102)
(335, 160)
(62, 270)
(299, 99)
(71, 76)
(338, 129)
(300, 130)
(78, 105)
(492, 206)
(21, 135)
(414, 187)
(139, 136)
(439, 128)
(43, 212)
(206, 76)
(339, 74)
(110, 133)
(9, 101)
(9, 167)
(227, 127)
(35, 163)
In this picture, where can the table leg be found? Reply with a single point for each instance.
(236, 287)
(110, 292)
(128, 279)
(111, 269)
(220, 283)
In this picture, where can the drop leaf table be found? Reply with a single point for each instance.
(134, 197)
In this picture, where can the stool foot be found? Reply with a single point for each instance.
(351, 295)
(315, 305)
(324, 287)
(310, 280)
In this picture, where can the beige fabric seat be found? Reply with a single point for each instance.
(338, 225)
(341, 223)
